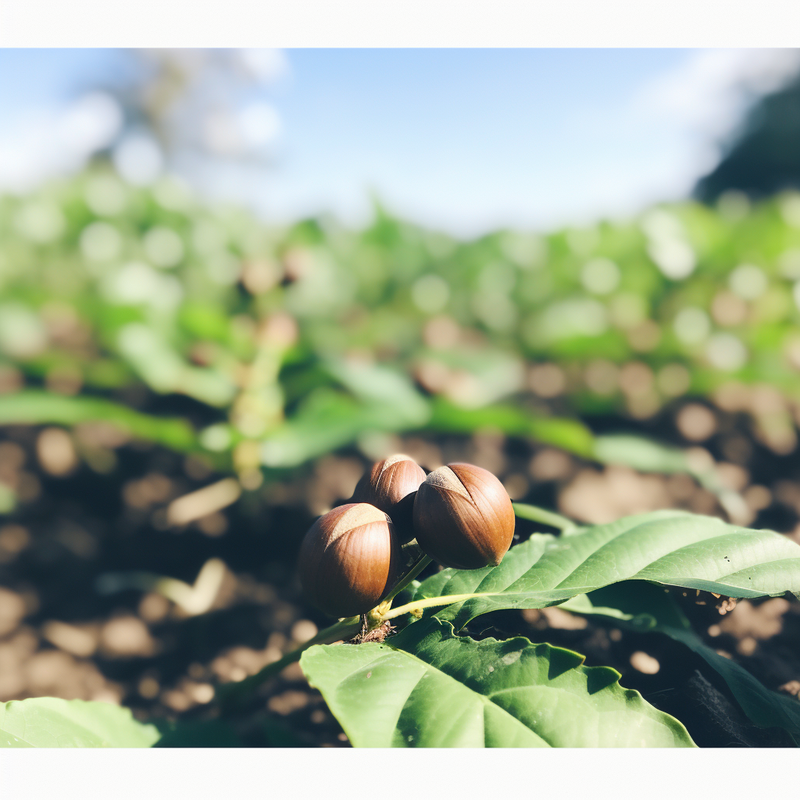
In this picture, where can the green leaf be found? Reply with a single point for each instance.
(53, 722)
(639, 605)
(329, 419)
(568, 434)
(325, 421)
(642, 606)
(378, 384)
(645, 455)
(165, 370)
(764, 707)
(32, 407)
(430, 688)
(669, 547)
(639, 453)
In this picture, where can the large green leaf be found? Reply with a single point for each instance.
(53, 722)
(668, 547)
(645, 607)
(427, 687)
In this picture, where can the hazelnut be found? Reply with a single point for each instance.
(390, 486)
(463, 517)
(349, 560)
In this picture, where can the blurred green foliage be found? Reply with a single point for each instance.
(292, 342)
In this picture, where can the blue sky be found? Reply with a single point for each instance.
(465, 140)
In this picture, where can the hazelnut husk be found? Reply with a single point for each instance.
(463, 517)
(391, 485)
(349, 560)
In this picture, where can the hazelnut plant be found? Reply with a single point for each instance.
(397, 670)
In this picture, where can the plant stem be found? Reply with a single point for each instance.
(429, 602)
(536, 514)
(409, 576)
(229, 694)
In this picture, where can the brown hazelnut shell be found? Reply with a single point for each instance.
(463, 517)
(391, 485)
(349, 560)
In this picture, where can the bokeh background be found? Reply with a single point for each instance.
(231, 279)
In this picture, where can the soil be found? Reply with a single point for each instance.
(96, 507)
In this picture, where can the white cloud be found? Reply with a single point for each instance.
(91, 123)
(42, 142)
(260, 124)
(709, 90)
(265, 64)
(654, 145)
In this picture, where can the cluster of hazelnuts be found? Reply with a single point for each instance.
(460, 516)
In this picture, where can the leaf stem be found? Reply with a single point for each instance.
(429, 602)
(536, 514)
(231, 694)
